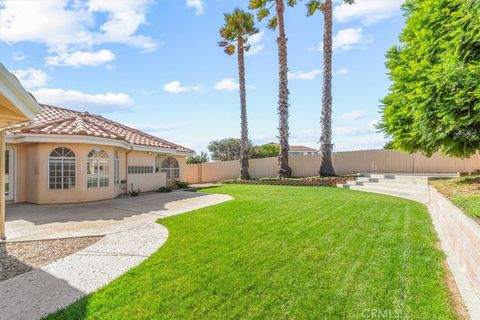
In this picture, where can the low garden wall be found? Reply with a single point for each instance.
(462, 234)
(310, 182)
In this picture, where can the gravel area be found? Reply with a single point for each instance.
(20, 257)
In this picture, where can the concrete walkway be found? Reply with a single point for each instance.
(129, 239)
(409, 186)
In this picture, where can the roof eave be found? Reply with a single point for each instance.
(17, 95)
(58, 138)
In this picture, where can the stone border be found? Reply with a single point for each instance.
(460, 239)
(308, 182)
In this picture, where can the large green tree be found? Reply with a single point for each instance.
(326, 146)
(197, 158)
(268, 150)
(239, 25)
(276, 21)
(433, 103)
(226, 149)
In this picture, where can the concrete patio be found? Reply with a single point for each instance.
(35, 222)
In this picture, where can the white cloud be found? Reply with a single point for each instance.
(368, 11)
(352, 116)
(31, 78)
(346, 39)
(176, 87)
(74, 26)
(80, 58)
(311, 75)
(256, 44)
(47, 22)
(123, 20)
(342, 71)
(198, 5)
(228, 84)
(84, 101)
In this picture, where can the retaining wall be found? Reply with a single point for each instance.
(462, 234)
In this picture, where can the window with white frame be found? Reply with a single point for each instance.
(171, 167)
(116, 169)
(97, 169)
(61, 169)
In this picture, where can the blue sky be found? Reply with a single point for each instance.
(156, 66)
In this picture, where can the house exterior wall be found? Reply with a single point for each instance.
(31, 173)
(144, 182)
(182, 163)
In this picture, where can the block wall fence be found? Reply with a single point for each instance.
(351, 162)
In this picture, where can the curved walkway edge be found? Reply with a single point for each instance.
(40, 292)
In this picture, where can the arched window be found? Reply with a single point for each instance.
(116, 169)
(61, 169)
(171, 167)
(97, 169)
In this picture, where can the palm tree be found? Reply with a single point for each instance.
(239, 25)
(326, 146)
(263, 8)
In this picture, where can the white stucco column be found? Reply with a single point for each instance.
(2, 185)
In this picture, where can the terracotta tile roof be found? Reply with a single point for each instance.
(302, 149)
(297, 148)
(61, 121)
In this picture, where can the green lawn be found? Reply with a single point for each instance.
(463, 192)
(285, 253)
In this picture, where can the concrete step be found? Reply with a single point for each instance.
(419, 196)
(393, 181)
(398, 189)
(391, 185)
(394, 176)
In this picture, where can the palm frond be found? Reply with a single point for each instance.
(262, 13)
(239, 24)
(272, 23)
(313, 6)
(257, 4)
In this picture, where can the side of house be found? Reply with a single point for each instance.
(69, 157)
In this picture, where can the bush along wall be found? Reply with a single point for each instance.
(312, 181)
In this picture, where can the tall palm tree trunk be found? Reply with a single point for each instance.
(244, 175)
(326, 168)
(284, 170)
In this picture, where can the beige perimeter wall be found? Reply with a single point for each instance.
(385, 161)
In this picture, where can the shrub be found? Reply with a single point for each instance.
(164, 189)
(135, 193)
(181, 184)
